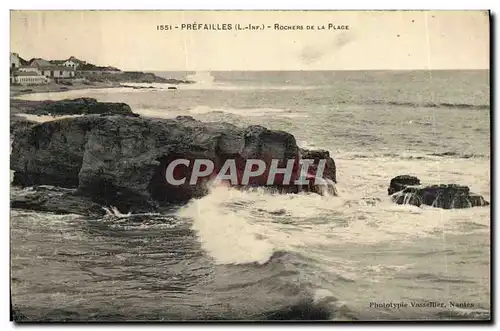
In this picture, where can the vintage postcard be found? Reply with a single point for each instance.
(250, 166)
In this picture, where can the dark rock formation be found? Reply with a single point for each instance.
(330, 170)
(17, 315)
(55, 200)
(328, 176)
(84, 106)
(18, 124)
(138, 87)
(79, 106)
(135, 77)
(407, 190)
(121, 161)
(398, 183)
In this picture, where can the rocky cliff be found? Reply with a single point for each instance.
(121, 160)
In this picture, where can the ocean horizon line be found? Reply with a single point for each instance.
(308, 70)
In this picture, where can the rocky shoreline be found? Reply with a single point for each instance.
(116, 158)
(112, 157)
(47, 107)
(79, 106)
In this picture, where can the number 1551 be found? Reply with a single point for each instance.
(164, 27)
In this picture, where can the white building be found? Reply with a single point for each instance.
(70, 64)
(48, 69)
(15, 62)
(73, 62)
(57, 72)
(28, 69)
(28, 78)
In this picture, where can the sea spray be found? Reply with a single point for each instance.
(203, 78)
(113, 211)
(228, 238)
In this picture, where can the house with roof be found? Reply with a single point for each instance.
(58, 72)
(16, 61)
(52, 70)
(38, 62)
(73, 62)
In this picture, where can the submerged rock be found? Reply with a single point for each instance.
(407, 189)
(121, 161)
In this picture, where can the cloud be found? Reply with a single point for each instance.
(313, 53)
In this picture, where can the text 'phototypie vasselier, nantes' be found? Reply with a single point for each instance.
(251, 27)
(428, 304)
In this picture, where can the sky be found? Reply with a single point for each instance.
(375, 40)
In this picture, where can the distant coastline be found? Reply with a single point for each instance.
(40, 75)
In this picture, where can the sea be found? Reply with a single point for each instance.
(255, 255)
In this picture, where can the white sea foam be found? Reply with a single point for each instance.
(45, 118)
(229, 238)
(228, 218)
(113, 211)
(93, 93)
(202, 78)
